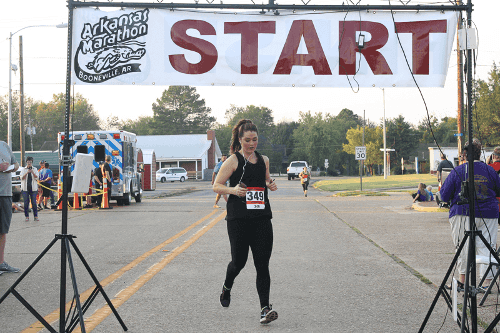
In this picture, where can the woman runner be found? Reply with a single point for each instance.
(304, 179)
(248, 213)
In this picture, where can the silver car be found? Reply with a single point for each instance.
(171, 174)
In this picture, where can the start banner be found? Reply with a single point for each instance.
(316, 49)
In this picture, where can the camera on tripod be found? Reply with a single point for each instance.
(464, 193)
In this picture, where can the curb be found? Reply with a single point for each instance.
(419, 207)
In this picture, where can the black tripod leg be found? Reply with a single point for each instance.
(98, 284)
(28, 270)
(441, 288)
(75, 286)
(33, 311)
(74, 321)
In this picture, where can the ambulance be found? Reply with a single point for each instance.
(121, 146)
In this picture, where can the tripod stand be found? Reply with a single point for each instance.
(68, 324)
(472, 290)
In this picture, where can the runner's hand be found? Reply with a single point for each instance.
(240, 191)
(272, 185)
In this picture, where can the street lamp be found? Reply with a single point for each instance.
(385, 141)
(9, 121)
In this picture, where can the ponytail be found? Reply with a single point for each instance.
(244, 125)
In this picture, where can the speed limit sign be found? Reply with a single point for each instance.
(360, 153)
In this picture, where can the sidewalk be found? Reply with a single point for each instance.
(416, 236)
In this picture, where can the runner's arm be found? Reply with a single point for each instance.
(269, 182)
(226, 170)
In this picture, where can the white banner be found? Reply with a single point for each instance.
(163, 47)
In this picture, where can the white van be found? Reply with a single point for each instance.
(171, 174)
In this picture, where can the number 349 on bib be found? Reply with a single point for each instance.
(255, 198)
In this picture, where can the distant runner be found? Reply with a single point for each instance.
(305, 176)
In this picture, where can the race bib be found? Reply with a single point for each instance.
(255, 198)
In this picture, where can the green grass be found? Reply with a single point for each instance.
(359, 193)
(376, 182)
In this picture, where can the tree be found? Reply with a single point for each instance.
(223, 134)
(141, 126)
(49, 118)
(443, 130)
(402, 137)
(29, 108)
(373, 142)
(317, 139)
(180, 110)
(486, 118)
(261, 116)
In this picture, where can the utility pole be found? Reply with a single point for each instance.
(460, 80)
(21, 100)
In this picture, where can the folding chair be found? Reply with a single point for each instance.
(490, 261)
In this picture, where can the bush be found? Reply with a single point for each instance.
(396, 170)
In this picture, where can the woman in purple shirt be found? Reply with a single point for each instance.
(487, 188)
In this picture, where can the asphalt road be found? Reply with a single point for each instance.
(334, 266)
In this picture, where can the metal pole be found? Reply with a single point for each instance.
(21, 100)
(460, 80)
(362, 161)
(65, 161)
(470, 277)
(9, 120)
(385, 141)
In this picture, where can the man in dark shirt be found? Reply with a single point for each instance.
(98, 183)
(443, 164)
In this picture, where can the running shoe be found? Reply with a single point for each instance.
(36, 219)
(268, 315)
(460, 287)
(216, 206)
(225, 297)
(27, 219)
(6, 268)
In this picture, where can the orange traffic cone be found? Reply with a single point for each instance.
(76, 202)
(104, 201)
(59, 195)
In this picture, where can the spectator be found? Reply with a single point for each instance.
(29, 187)
(108, 173)
(39, 197)
(429, 193)
(214, 175)
(487, 188)
(98, 183)
(443, 164)
(495, 164)
(46, 182)
(421, 194)
(8, 164)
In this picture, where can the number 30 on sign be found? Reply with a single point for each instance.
(360, 153)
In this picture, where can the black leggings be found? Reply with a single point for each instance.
(304, 186)
(257, 235)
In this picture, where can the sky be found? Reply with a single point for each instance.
(44, 57)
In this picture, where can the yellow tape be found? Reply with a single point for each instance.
(40, 184)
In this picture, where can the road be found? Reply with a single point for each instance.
(163, 262)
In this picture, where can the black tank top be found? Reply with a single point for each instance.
(254, 177)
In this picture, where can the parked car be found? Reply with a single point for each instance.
(16, 185)
(171, 174)
(295, 168)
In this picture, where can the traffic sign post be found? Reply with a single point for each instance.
(360, 155)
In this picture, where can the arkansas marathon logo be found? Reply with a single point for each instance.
(109, 47)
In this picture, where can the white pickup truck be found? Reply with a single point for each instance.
(295, 168)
